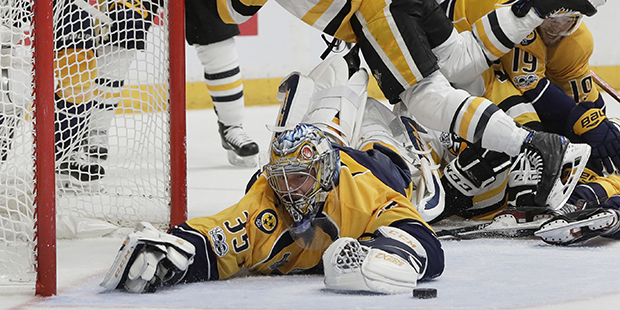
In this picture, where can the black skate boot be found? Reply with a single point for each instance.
(8, 123)
(579, 226)
(242, 150)
(79, 173)
(97, 145)
(560, 164)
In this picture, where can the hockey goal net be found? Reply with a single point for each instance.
(97, 92)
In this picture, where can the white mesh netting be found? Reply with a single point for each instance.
(111, 123)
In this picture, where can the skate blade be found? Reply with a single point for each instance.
(245, 162)
(573, 164)
(69, 185)
(561, 232)
(510, 226)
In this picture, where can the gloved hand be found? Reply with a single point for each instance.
(545, 8)
(588, 121)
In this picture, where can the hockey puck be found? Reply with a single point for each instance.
(424, 293)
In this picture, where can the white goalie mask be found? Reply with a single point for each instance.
(302, 164)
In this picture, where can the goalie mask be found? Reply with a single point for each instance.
(302, 165)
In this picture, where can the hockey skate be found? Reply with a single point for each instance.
(8, 123)
(79, 173)
(97, 145)
(242, 150)
(579, 226)
(560, 164)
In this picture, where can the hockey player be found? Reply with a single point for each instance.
(216, 48)
(403, 62)
(215, 45)
(598, 214)
(316, 200)
(118, 45)
(75, 71)
(542, 79)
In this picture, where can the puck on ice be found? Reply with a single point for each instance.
(424, 293)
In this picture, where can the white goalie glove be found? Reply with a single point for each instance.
(149, 259)
(350, 266)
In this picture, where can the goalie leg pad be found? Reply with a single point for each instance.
(338, 101)
(294, 93)
(149, 259)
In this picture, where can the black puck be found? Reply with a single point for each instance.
(424, 293)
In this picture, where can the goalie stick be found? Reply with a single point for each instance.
(606, 87)
(521, 222)
(490, 229)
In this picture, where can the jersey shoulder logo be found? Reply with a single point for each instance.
(529, 39)
(218, 240)
(267, 221)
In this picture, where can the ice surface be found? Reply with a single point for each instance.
(479, 274)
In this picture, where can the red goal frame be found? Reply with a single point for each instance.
(45, 191)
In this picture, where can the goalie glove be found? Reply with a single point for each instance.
(590, 122)
(149, 259)
(351, 266)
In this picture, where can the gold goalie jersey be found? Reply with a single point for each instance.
(565, 65)
(254, 233)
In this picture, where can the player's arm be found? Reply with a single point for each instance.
(400, 251)
(131, 20)
(596, 190)
(238, 11)
(201, 249)
(390, 262)
(568, 65)
(495, 34)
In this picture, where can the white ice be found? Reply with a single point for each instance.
(479, 274)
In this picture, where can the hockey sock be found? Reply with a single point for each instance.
(223, 79)
(113, 64)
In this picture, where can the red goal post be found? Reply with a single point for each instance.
(145, 169)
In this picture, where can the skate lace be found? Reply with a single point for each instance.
(536, 161)
(80, 158)
(98, 138)
(237, 137)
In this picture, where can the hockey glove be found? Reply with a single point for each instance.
(351, 266)
(149, 259)
(546, 8)
(590, 122)
(474, 169)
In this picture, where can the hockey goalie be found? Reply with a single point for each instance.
(348, 191)
(335, 197)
